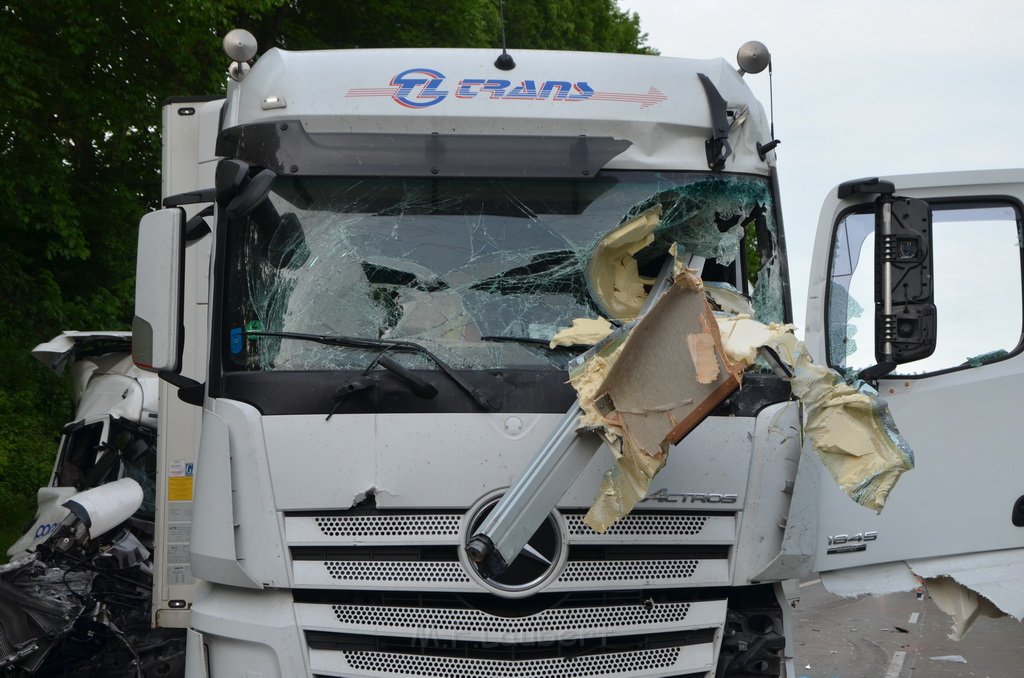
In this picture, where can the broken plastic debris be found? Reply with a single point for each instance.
(965, 586)
(645, 389)
(960, 603)
(971, 585)
(954, 658)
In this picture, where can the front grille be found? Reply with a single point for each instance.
(636, 664)
(389, 525)
(481, 625)
(643, 525)
(384, 593)
(394, 527)
(438, 645)
(565, 618)
(644, 549)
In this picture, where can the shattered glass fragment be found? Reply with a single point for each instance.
(842, 335)
(726, 298)
(986, 358)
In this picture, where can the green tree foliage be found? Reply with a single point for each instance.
(586, 25)
(80, 152)
(79, 164)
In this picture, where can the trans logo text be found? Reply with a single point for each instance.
(420, 88)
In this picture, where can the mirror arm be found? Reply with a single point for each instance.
(875, 372)
(189, 390)
(886, 356)
(191, 198)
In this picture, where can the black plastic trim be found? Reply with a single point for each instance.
(868, 186)
(324, 392)
(760, 390)
(287, 148)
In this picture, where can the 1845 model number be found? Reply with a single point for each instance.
(849, 543)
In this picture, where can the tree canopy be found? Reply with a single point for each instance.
(80, 152)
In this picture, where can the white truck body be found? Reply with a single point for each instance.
(328, 507)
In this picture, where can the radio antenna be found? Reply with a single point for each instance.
(504, 62)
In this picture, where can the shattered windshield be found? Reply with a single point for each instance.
(482, 272)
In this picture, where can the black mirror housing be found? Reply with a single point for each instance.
(905, 316)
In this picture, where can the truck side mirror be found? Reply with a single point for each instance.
(159, 291)
(905, 320)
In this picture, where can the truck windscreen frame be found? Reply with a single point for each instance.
(481, 272)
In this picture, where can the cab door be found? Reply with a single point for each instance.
(956, 398)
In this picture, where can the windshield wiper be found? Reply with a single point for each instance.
(534, 341)
(386, 345)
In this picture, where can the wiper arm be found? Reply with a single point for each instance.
(533, 341)
(420, 386)
(386, 345)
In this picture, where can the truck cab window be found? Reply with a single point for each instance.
(104, 451)
(78, 455)
(455, 264)
(977, 284)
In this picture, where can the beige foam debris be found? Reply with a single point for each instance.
(612, 271)
(650, 390)
(584, 331)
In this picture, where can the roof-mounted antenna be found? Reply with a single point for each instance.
(504, 62)
(754, 57)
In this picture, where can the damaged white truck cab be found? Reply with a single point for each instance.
(354, 285)
(395, 237)
(115, 409)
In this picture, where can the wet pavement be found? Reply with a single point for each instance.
(897, 636)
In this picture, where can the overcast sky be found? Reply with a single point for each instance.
(864, 88)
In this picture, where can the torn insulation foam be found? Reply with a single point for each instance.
(584, 332)
(645, 388)
(613, 275)
(849, 425)
(645, 385)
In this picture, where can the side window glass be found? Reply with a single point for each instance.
(977, 283)
(136, 447)
(78, 456)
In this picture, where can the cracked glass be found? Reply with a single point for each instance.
(482, 272)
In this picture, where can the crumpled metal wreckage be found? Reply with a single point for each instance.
(77, 604)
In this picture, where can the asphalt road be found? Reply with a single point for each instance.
(898, 636)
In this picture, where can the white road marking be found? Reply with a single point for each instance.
(913, 617)
(896, 665)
